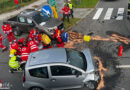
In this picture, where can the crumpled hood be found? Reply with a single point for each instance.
(90, 63)
(52, 22)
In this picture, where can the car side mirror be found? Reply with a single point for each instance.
(78, 74)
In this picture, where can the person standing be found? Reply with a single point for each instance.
(1, 45)
(71, 8)
(17, 3)
(7, 29)
(66, 11)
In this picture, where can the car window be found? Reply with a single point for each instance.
(29, 21)
(22, 19)
(39, 72)
(62, 71)
(76, 58)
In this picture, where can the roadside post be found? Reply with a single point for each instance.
(52, 3)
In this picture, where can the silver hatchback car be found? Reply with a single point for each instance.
(60, 68)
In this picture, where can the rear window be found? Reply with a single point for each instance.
(39, 72)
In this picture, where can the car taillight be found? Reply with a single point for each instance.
(24, 79)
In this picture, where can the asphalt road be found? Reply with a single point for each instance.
(115, 79)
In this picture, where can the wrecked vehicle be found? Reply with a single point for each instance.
(30, 18)
(60, 68)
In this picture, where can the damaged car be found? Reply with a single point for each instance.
(60, 68)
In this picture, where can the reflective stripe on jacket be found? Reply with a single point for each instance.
(13, 63)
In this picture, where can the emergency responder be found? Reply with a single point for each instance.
(7, 29)
(66, 11)
(35, 36)
(25, 51)
(57, 37)
(14, 63)
(71, 8)
(21, 40)
(17, 46)
(1, 45)
(46, 41)
(32, 46)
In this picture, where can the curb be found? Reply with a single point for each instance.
(14, 12)
(83, 18)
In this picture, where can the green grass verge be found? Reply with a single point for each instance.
(84, 3)
(71, 23)
(8, 5)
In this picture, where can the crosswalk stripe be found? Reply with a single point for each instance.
(98, 13)
(120, 14)
(108, 14)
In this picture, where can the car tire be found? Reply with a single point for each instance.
(36, 88)
(92, 85)
(17, 32)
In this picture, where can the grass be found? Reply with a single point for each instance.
(84, 3)
(8, 5)
(71, 23)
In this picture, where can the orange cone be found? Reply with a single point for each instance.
(120, 50)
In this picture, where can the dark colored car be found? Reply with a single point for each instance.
(30, 18)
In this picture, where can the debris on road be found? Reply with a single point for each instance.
(101, 70)
(74, 38)
(121, 38)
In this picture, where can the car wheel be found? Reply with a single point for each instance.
(36, 88)
(17, 32)
(92, 85)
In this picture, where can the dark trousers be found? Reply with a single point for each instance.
(71, 13)
(66, 16)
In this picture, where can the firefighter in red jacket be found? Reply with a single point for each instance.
(25, 51)
(33, 46)
(1, 45)
(7, 29)
(57, 37)
(66, 12)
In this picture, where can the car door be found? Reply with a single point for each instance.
(40, 77)
(25, 24)
(64, 77)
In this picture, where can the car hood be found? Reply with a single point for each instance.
(90, 62)
(52, 22)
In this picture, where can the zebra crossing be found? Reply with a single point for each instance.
(108, 14)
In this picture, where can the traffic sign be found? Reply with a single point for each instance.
(46, 10)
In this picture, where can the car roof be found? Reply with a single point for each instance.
(29, 13)
(53, 55)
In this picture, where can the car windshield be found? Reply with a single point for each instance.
(39, 18)
(76, 58)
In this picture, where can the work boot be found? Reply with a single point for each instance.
(11, 70)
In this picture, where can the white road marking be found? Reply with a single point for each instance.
(123, 66)
(98, 13)
(108, 14)
(120, 14)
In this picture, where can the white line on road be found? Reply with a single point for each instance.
(123, 66)
(108, 14)
(98, 13)
(120, 14)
